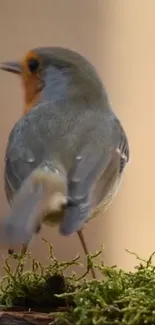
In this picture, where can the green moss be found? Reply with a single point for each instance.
(120, 298)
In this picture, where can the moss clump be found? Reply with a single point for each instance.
(35, 289)
(120, 298)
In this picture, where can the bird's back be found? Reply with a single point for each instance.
(51, 130)
(51, 133)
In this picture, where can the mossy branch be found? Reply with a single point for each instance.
(119, 298)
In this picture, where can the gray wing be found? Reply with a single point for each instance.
(24, 153)
(80, 187)
(107, 184)
(89, 166)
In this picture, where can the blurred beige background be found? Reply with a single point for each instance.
(118, 36)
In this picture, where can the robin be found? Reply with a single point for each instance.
(66, 155)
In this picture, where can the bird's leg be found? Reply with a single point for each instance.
(81, 237)
(25, 245)
(84, 245)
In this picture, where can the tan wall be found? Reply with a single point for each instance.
(118, 36)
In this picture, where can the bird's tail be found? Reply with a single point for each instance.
(43, 192)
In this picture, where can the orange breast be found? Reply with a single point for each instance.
(31, 94)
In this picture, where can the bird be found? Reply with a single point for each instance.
(66, 155)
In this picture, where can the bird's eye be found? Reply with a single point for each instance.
(33, 65)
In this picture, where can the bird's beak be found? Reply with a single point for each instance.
(14, 67)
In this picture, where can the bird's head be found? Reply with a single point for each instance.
(55, 72)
